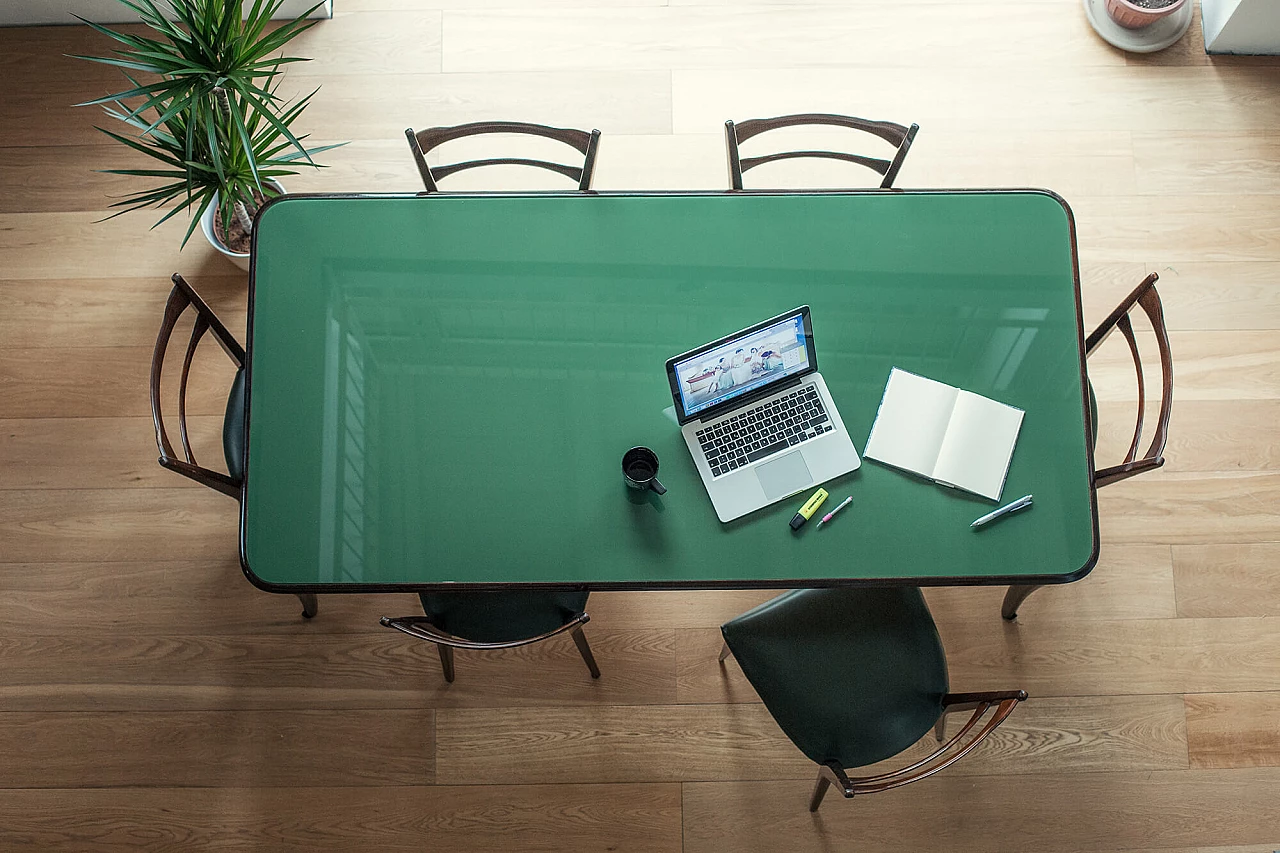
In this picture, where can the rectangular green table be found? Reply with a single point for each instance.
(441, 387)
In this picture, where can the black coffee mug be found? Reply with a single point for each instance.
(640, 469)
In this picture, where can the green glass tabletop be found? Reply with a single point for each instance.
(441, 387)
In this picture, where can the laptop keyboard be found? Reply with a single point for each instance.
(761, 431)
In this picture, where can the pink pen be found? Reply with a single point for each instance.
(844, 503)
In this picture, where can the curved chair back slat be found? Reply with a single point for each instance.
(421, 627)
(567, 171)
(895, 134)
(198, 329)
(1147, 298)
(509, 619)
(874, 163)
(423, 141)
(182, 297)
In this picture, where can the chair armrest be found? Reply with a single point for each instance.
(944, 756)
(964, 701)
(204, 476)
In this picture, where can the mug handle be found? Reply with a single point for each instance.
(657, 487)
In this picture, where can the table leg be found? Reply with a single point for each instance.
(1014, 598)
(309, 604)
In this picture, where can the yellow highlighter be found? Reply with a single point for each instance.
(810, 507)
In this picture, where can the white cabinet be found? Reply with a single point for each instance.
(1241, 26)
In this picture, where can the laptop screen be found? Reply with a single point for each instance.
(745, 363)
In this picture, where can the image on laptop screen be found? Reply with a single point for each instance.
(743, 364)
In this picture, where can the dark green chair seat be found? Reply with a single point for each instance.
(502, 616)
(233, 429)
(853, 676)
(856, 676)
(501, 619)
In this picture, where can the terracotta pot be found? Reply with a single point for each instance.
(1128, 15)
(240, 259)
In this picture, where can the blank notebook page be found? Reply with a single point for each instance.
(978, 445)
(911, 422)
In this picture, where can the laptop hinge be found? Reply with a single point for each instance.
(748, 399)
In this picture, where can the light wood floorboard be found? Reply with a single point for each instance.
(218, 749)
(99, 453)
(750, 36)
(1222, 507)
(206, 596)
(539, 819)
(59, 525)
(1204, 435)
(1209, 162)
(740, 742)
(311, 667)
(1231, 296)
(1124, 811)
(106, 312)
(1226, 99)
(1128, 582)
(1227, 580)
(1234, 730)
(104, 382)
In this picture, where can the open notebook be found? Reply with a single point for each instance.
(954, 437)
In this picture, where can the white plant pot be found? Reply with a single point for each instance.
(240, 259)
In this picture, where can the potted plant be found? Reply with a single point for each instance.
(208, 110)
(1135, 14)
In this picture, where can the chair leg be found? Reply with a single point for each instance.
(940, 727)
(446, 661)
(819, 790)
(724, 652)
(580, 639)
(310, 607)
(1013, 600)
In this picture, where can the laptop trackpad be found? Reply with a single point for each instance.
(784, 476)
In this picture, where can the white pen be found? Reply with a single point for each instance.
(844, 503)
(1025, 500)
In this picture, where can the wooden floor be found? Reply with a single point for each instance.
(151, 699)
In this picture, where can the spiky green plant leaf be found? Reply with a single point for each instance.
(203, 98)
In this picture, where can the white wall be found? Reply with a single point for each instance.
(26, 12)
(1241, 26)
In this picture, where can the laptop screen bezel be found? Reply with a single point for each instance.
(762, 391)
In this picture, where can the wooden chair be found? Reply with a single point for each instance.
(856, 676)
(422, 141)
(1146, 297)
(496, 620)
(895, 134)
(181, 297)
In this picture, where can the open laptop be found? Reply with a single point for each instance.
(757, 417)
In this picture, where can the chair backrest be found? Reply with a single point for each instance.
(895, 134)
(1145, 296)
(181, 297)
(422, 141)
